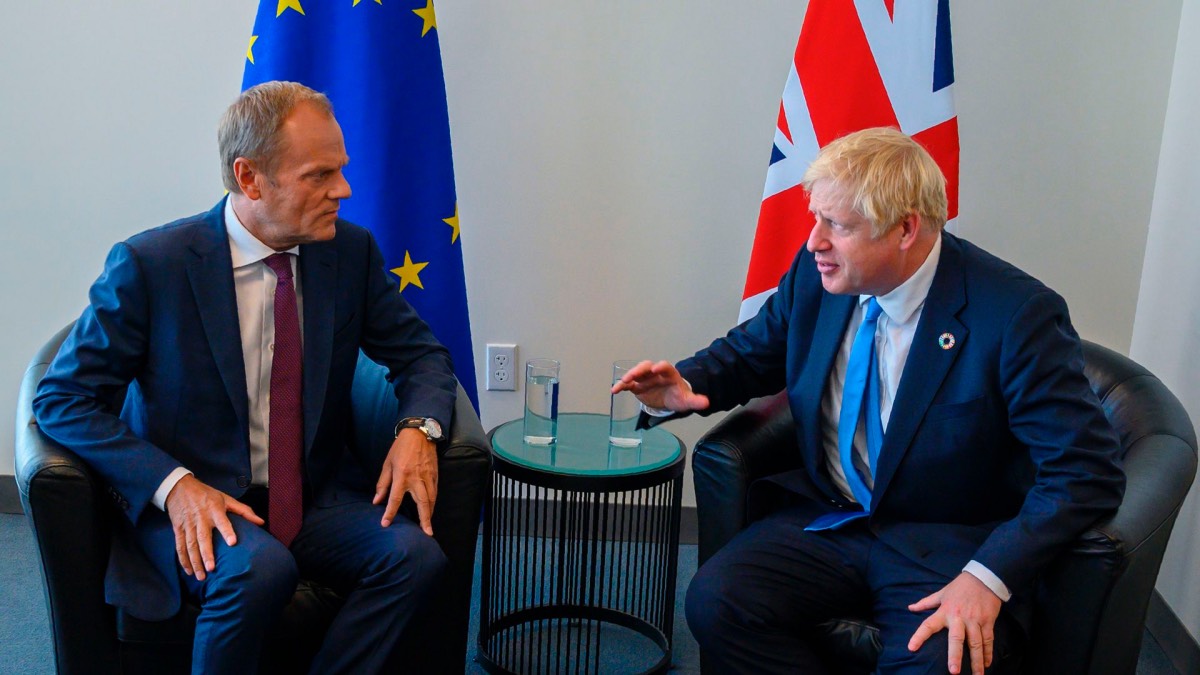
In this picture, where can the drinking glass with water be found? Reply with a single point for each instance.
(623, 411)
(541, 401)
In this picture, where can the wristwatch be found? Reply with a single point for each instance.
(433, 430)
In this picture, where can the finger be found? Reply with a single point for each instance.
(431, 487)
(225, 527)
(665, 369)
(394, 499)
(181, 550)
(206, 547)
(194, 557)
(242, 509)
(927, 603)
(927, 628)
(697, 401)
(631, 376)
(975, 644)
(955, 652)
(989, 642)
(424, 508)
(382, 485)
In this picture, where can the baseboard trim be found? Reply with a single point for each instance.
(10, 498)
(1175, 640)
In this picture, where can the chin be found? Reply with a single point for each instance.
(833, 286)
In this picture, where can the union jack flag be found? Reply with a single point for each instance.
(870, 63)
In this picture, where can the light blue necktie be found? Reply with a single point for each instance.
(862, 382)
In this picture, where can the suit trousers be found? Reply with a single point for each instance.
(751, 605)
(383, 574)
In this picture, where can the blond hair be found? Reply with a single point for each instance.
(250, 126)
(888, 176)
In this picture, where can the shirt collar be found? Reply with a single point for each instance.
(903, 301)
(245, 248)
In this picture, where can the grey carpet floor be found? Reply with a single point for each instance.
(25, 631)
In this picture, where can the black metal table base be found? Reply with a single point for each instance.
(572, 563)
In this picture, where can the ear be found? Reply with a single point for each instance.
(247, 178)
(910, 230)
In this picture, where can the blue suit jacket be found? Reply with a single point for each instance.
(152, 378)
(996, 450)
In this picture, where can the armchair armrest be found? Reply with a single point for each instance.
(61, 494)
(464, 468)
(756, 440)
(1103, 582)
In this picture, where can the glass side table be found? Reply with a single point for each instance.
(580, 550)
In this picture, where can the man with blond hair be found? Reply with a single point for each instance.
(950, 442)
(236, 334)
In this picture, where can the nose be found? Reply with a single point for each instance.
(341, 188)
(818, 238)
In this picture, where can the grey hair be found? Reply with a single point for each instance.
(250, 126)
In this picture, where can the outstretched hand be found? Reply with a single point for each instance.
(659, 385)
(195, 509)
(968, 610)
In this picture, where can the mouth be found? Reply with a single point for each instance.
(825, 267)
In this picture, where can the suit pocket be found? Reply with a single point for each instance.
(948, 411)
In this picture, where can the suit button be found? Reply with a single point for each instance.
(243, 482)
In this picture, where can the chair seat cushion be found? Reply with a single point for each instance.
(853, 643)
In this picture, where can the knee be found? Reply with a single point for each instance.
(417, 560)
(260, 568)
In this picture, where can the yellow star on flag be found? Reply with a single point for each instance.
(452, 221)
(288, 4)
(426, 14)
(250, 49)
(378, 2)
(409, 273)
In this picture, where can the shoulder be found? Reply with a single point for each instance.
(202, 229)
(992, 281)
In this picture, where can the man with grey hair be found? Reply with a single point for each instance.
(951, 445)
(235, 334)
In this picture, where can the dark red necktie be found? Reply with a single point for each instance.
(286, 445)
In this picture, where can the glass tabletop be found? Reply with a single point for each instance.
(583, 449)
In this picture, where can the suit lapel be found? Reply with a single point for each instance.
(928, 363)
(827, 340)
(318, 276)
(210, 272)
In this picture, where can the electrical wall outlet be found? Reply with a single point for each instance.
(501, 367)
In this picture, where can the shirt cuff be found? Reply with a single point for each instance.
(164, 488)
(657, 412)
(990, 580)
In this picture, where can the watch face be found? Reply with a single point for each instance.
(432, 429)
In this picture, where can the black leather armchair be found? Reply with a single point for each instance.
(1091, 602)
(70, 514)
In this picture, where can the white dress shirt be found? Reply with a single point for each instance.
(254, 285)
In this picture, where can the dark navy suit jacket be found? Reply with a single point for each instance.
(996, 450)
(152, 378)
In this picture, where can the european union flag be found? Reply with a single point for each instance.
(381, 65)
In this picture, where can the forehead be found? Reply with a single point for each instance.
(828, 196)
(310, 134)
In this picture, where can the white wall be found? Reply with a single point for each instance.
(610, 158)
(1167, 328)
